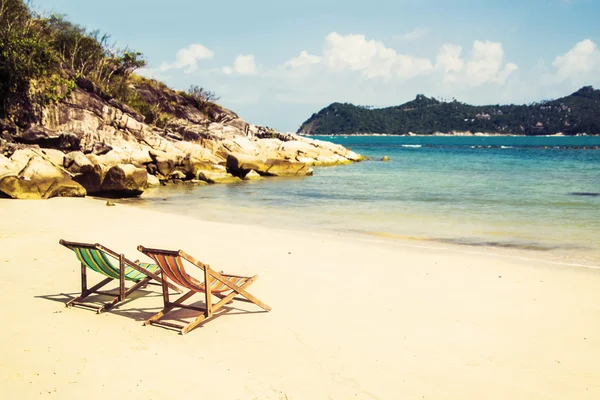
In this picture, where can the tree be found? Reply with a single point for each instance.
(201, 97)
(25, 55)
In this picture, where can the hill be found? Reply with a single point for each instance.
(577, 113)
(75, 119)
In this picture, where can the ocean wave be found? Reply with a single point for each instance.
(416, 146)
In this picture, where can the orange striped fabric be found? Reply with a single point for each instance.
(172, 267)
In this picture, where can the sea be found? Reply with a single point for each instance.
(532, 197)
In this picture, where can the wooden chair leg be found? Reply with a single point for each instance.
(168, 307)
(224, 300)
(87, 292)
(240, 289)
(125, 293)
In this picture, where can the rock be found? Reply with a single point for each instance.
(91, 178)
(331, 160)
(177, 175)
(195, 167)
(153, 181)
(56, 157)
(252, 176)
(21, 188)
(197, 182)
(306, 160)
(140, 158)
(166, 162)
(303, 149)
(67, 188)
(287, 168)
(21, 157)
(385, 158)
(39, 179)
(6, 166)
(125, 180)
(75, 161)
(217, 177)
(241, 164)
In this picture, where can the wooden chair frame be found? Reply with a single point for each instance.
(123, 291)
(208, 312)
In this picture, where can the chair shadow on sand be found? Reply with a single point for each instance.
(136, 313)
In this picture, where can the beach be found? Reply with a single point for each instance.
(351, 318)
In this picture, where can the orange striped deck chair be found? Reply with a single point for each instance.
(101, 259)
(223, 286)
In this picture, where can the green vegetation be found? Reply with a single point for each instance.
(44, 58)
(571, 115)
(200, 96)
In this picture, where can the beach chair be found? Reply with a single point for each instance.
(100, 259)
(223, 286)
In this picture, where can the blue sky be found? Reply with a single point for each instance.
(275, 62)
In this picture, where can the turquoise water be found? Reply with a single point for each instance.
(535, 195)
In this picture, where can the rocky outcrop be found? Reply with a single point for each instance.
(29, 175)
(88, 144)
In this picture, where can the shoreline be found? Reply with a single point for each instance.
(467, 134)
(357, 318)
(533, 249)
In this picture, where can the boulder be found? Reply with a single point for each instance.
(91, 178)
(6, 166)
(241, 164)
(194, 167)
(252, 176)
(125, 180)
(56, 157)
(180, 175)
(140, 158)
(288, 168)
(217, 177)
(385, 158)
(166, 162)
(21, 157)
(153, 181)
(39, 179)
(75, 161)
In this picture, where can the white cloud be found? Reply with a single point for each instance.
(188, 58)
(243, 65)
(486, 64)
(303, 60)
(581, 60)
(413, 35)
(372, 58)
(449, 61)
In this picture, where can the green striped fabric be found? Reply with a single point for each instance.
(100, 262)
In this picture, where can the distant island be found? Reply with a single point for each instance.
(578, 113)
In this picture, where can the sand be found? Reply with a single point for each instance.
(351, 318)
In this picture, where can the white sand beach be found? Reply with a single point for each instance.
(350, 319)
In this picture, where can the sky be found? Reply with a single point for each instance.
(275, 62)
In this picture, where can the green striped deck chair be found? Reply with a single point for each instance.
(115, 267)
(223, 286)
